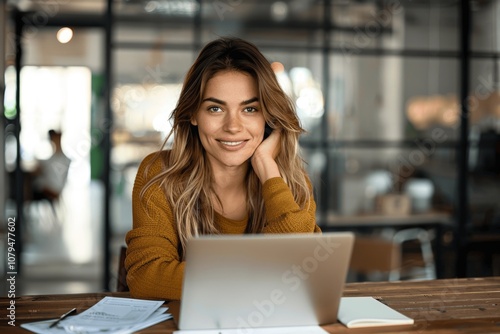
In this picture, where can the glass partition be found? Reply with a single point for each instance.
(143, 98)
(276, 24)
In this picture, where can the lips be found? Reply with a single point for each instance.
(231, 143)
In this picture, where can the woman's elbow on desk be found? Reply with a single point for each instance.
(163, 284)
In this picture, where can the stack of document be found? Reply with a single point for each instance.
(110, 315)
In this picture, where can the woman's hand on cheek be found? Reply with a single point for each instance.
(263, 159)
(270, 146)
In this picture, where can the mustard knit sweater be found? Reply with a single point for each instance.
(154, 267)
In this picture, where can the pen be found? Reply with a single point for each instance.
(62, 317)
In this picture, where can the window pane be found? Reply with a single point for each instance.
(485, 35)
(302, 81)
(155, 24)
(155, 34)
(430, 95)
(365, 26)
(295, 23)
(395, 25)
(151, 66)
(143, 98)
(432, 25)
(391, 98)
(316, 164)
(363, 174)
(156, 9)
(484, 94)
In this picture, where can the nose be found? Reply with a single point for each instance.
(233, 123)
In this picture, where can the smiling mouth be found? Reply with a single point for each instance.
(231, 143)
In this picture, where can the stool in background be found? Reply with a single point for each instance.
(384, 257)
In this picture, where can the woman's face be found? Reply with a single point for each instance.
(230, 120)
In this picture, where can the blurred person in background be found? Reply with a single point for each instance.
(51, 174)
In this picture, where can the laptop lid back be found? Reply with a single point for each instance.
(254, 281)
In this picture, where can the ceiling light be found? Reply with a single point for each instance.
(279, 11)
(64, 35)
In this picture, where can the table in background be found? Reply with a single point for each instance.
(437, 306)
(437, 221)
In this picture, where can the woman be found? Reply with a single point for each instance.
(221, 175)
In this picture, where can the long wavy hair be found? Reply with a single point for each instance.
(187, 177)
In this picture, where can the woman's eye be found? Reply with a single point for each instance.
(250, 109)
(214, 109)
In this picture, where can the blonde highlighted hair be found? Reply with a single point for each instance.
(187, 177)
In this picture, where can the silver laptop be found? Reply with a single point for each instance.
(267, 280)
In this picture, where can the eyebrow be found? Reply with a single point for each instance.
(245, 102)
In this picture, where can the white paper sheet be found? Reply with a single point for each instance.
(149, 312)
(112, 312)
(42, 327)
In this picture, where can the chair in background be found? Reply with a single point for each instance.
(376, 257)
(42, 211)
(419, 263)
(121, 284)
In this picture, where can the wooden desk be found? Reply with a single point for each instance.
(433, 220)
(438, 306)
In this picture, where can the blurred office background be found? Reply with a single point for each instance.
(379, 85)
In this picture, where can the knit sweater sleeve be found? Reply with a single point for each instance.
(154, 267)
(283, 214)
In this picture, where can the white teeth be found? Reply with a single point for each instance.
(231, 143)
